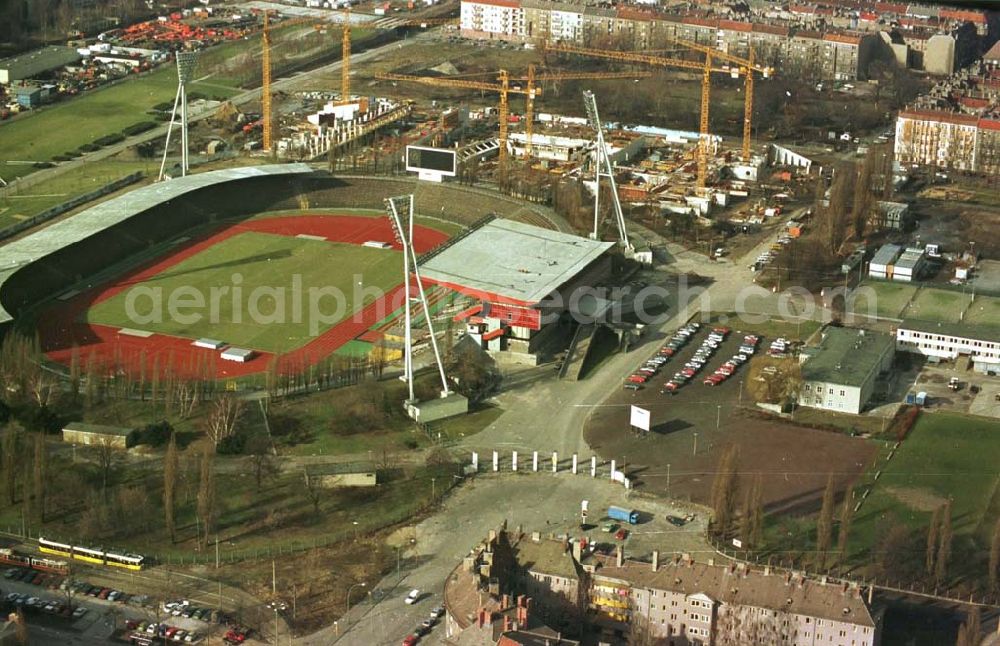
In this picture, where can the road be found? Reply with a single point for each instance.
(543, 414)
(285, 83)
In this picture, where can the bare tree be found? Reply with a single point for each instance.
(995, 557)
(314, 492)
(170, 472)
(261, 458)
(844, 532)
(824, 524)
(206, 495)
(10, 447)
(724, 491)
(39, 473)
(944, 544)
(226, 413)
(932, 541)
(106, 457)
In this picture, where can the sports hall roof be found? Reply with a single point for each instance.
(512, 261)
(18, 254)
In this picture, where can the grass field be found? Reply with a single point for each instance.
(947, 456)
(882, 299)
(985, 310)
(68, 125)
(937, 305)
(15, 207)
(263, 260)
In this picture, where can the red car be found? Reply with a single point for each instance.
(667, 352)
(621, 534)
(670, 387)
(721, 330)
(637, 379)
(410, 640)
(714, 380)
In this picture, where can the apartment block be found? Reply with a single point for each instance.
(937, 138)
(685, 603)
(566, 584)
(835, 54)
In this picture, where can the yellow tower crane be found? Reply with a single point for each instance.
(265, 89)
(745, 67)
(503, 88)
(345, 59)
(532, 78)
(705, 67)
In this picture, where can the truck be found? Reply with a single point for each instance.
(629, 516)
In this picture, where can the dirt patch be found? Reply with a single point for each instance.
(691, 429)
(916, 498)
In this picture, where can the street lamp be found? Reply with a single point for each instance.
(278, 606)
(350, 589)
(355, 523)
(718, 416)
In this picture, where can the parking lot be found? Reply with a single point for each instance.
(691, 426)
(977, 393)
(55, 604)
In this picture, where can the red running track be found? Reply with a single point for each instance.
(61, 327)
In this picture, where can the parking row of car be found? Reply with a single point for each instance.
(779, 347)
(767, 257)
(726, 370)
(426, 626)
(652, 366)
(694, 365)
(163, 630)
(53, 606)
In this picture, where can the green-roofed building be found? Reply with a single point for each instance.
(840, 374)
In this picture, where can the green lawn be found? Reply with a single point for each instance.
(69, 124)
(263, 261)
(17, 206)
(882, 299)
(938, 305)
(985, 310)
(947, 455)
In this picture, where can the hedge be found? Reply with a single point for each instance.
(136, 128)
(107, 140)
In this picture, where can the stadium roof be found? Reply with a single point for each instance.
(847, 356)
(16, 255)
(512, 262)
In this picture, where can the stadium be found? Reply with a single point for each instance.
(214, 274)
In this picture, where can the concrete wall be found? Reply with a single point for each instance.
(333, 481)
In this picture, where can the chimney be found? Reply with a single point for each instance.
(506, 623)
(656, 560)
(871, 589)
(619, 557)
(536, 537)
(767, 570)
(711, 561)
(576, 550)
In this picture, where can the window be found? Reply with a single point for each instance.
(841, 393)
(830, 391)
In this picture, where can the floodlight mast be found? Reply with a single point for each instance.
(603, 168)
(404, 233)
(185, 69)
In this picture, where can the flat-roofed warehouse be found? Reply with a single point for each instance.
(35, 62)
(526, 279)
(841, 374)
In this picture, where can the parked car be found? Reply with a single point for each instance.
(410, 640)
(676, 521)
(412, 597)
(437, 612)
(621, 534)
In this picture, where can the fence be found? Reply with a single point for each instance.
(68, 205)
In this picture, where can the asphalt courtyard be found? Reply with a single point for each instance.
(691, 429)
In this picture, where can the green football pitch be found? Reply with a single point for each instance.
(242, 291)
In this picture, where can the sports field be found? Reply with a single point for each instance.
(946, 456)
(939, 305)
(882, 299)
(262, 265)
(985, 310)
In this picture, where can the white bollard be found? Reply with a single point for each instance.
(534, 461)
(612, 469)
(593, 467)
(496, 461)
(513, 460)
(555, 462)
(574, 464)
(475, 461)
